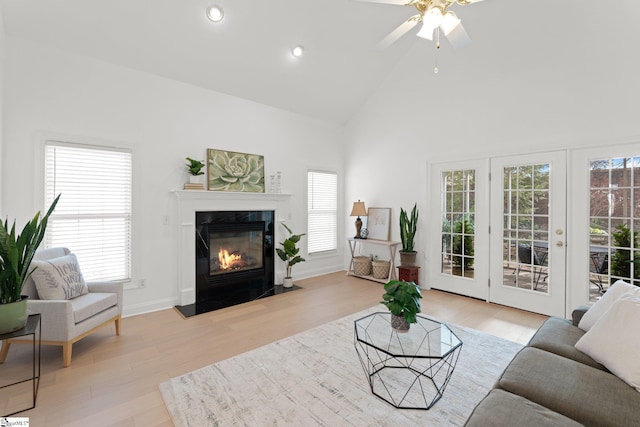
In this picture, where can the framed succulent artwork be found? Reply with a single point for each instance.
(231, 171)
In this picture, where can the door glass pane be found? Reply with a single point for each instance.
(526, 233)
(614, 222)
(458, 223)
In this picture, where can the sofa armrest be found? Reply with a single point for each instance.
(104, 286)
(108, 287)
(578, 312)
(57, 318)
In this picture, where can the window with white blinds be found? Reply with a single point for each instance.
(322, 233)
(93, 216)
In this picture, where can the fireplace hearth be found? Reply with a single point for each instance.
(234, 253)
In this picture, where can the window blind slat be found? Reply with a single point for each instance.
(93, 216)
(322, 229)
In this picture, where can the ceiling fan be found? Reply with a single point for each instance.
(435, 16)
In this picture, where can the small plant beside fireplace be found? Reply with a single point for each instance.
(289, 254)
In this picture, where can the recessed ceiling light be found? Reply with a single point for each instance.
(215, 13)
(297, 51)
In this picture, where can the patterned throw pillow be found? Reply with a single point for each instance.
(59, 278)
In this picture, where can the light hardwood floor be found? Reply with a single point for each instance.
(113, 380)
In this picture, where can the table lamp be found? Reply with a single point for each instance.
(358, 209)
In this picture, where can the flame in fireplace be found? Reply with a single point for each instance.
(228, 260)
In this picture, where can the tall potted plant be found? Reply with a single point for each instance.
(408, 225)
(289, 254)
(16, 254)
(403, 301)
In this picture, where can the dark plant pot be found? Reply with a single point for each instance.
(408, 259)
(13, 316)
(399, 324)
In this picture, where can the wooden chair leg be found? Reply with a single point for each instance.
(66, 353)
(5, 350)
(118, 325)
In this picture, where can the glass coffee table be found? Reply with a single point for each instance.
(408, 370)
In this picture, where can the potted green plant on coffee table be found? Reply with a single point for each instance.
(16, 254)
(403, 301)
(289, 254)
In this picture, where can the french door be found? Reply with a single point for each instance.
(605, 212)
(528, 232)
(460, 202)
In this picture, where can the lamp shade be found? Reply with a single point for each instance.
(358, 209)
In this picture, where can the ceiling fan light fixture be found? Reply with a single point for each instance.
(297, 51)
(425, 32)
(433, 18)
(449, 22)
(215, 13)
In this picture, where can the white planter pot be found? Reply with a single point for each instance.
(288, 282)
(196, 179)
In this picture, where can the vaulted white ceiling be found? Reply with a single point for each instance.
(248, 54)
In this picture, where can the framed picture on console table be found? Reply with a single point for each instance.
(231, 171)
(379, 223)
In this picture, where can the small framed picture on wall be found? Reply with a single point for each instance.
(379, 223)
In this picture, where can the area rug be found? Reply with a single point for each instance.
(315, 379)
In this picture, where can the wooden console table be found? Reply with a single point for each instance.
(391, 246)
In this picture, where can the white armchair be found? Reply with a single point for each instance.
(65, 322)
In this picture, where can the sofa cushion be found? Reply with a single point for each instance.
(613, 342)
(603, 304)
(501, 408)
(91, 304)
(59, 278)
(559, 336)
(585, 394)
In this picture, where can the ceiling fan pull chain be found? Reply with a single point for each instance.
(435, 69)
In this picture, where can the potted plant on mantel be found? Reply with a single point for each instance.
(407, 235)
(16, 254)
(194, 168)
(403, 301)
(289, 254)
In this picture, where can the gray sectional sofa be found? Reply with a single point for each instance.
(550, 383)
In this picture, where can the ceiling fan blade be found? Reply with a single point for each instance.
(465, 2)
(398, 2)
(457, 36)
(452, 28)
(403, 29)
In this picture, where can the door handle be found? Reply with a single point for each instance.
(559, 243)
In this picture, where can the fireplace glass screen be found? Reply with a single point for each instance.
(233, 251)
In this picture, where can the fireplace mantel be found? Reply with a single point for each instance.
(192, 201)
(228, 195)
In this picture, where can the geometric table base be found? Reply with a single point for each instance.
(413, 381)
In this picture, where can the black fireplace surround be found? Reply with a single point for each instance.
(234, 259)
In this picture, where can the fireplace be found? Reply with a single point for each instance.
(236, 248)
(234, 258)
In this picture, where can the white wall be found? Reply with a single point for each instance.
(2, 42)
(520, 90)
(48, 91)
